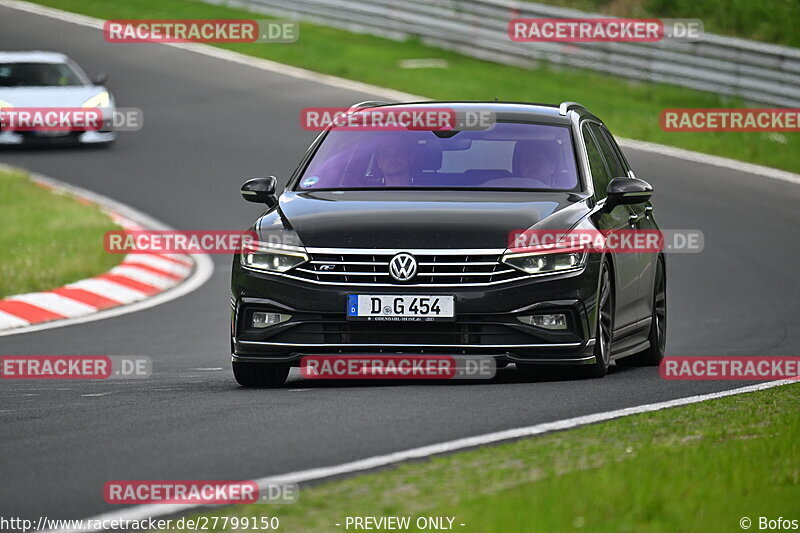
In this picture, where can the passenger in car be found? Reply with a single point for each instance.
(538, 165)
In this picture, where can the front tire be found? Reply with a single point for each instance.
(269, 375)
(605, 325)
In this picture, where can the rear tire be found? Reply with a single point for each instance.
(260, 374)
(653, 355)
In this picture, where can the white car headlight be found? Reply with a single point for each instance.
(260, 256)
(102, 99)
(546, 262)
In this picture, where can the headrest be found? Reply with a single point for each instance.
(431, 157)
(550, 149)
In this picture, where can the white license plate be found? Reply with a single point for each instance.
(400, 307)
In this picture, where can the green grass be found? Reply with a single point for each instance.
(48, 239)
(631, 109)
(771, 21)
(694, 468)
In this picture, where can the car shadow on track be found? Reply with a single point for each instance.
(504, 376)
(54, 147)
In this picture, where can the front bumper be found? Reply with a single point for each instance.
(486, 320)
(105, 134)
(13, 138)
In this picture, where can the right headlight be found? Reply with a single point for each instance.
(102, 99)
(261, 256)
(546, 262)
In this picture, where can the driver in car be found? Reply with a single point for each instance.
(538, 165)
(45, 75)
(394, 161)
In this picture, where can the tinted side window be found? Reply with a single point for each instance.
(612, 159)
(617, 149)
(600, 175)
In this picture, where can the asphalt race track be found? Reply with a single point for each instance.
(209, 125)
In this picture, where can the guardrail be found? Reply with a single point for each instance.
(755, 71)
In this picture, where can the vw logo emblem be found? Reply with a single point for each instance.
(403, 267)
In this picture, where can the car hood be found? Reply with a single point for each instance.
(48, 96)
(423, 219)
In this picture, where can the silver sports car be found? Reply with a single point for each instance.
(52, 80)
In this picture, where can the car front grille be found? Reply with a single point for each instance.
(467, 331)
(434, 268)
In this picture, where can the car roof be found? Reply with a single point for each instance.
(32, 56)
(551, 113)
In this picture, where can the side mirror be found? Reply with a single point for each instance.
(261, 190)
(100, 78)
(628, 190)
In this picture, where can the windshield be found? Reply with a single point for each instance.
(504, 156)
(38, 75)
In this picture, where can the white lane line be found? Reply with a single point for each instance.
(713, 160)
(141, 512)
(391, 94)
(109, 289)
(55, 302)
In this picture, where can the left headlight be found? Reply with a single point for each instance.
(102, 99)
(259, 256)
(546, 262)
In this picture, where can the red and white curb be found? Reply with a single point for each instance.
(138, 282)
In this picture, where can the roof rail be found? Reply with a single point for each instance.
(366, 103)
(566, 106)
